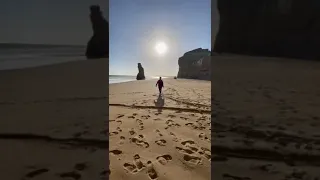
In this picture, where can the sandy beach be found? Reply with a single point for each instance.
(54, 122)
(265, 118)
(160, 137)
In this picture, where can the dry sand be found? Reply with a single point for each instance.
(265, 118)
(161, 138)
(53, 122)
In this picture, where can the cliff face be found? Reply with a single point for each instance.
(195, 64)
(288, 28)
(98, 45)
(140, 75)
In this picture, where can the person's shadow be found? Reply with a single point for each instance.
(159, 103)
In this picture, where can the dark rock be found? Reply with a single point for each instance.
(98, 45)
(140, 75)
(195, 64)
(281, 28)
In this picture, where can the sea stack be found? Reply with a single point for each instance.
(98, 45)
(195, 64)
(280, 28)
(140, 75)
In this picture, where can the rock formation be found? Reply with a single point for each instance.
(140, 75)
(98, 45)
(287, 28)
(195, 64)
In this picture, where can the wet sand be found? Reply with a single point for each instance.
(160, 137)
(265, 118)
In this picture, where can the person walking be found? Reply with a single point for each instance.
(160, 85)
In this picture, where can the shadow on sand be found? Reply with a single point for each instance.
(159, 103)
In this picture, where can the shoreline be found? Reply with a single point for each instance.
(117, 81)
(40, 66)
(155, 79)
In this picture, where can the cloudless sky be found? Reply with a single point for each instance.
(136, 26)
(47, 21)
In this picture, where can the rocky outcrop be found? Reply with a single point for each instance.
(195, 64)
(287, 28)
(140, 75)
(98, 45)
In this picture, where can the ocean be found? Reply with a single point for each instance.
(126, 78)
(120, 78)
(18, 56)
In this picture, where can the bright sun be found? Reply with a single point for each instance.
(161, 48)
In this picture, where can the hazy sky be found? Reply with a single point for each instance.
(47, 21)
(137, 25)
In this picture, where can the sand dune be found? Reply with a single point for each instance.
(166, 137)
(265, 119)
(54, 122)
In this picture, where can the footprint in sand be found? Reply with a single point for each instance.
(206, 153)
(184, 118)
(175, 139)
(122, 139)
(136, 166)
(151, 171)
(115, 152)
(187, 142)
(192, 159)
(71, 175)
(190, 149)
(203, 118)
(171, 116)
(203, 136)
(170, 123)
(139, 121)
(37, 172)
(119, 129)
(164, 159)
(131, 168)
(110, 133)
(192, 125)
(138, 162)
(158, 132)
(184, 150)
(120, 116)
(161, 142)
(132, 132)
(146, 116)
(140, 142)
(119, 122)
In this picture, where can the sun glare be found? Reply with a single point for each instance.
(161, 48)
